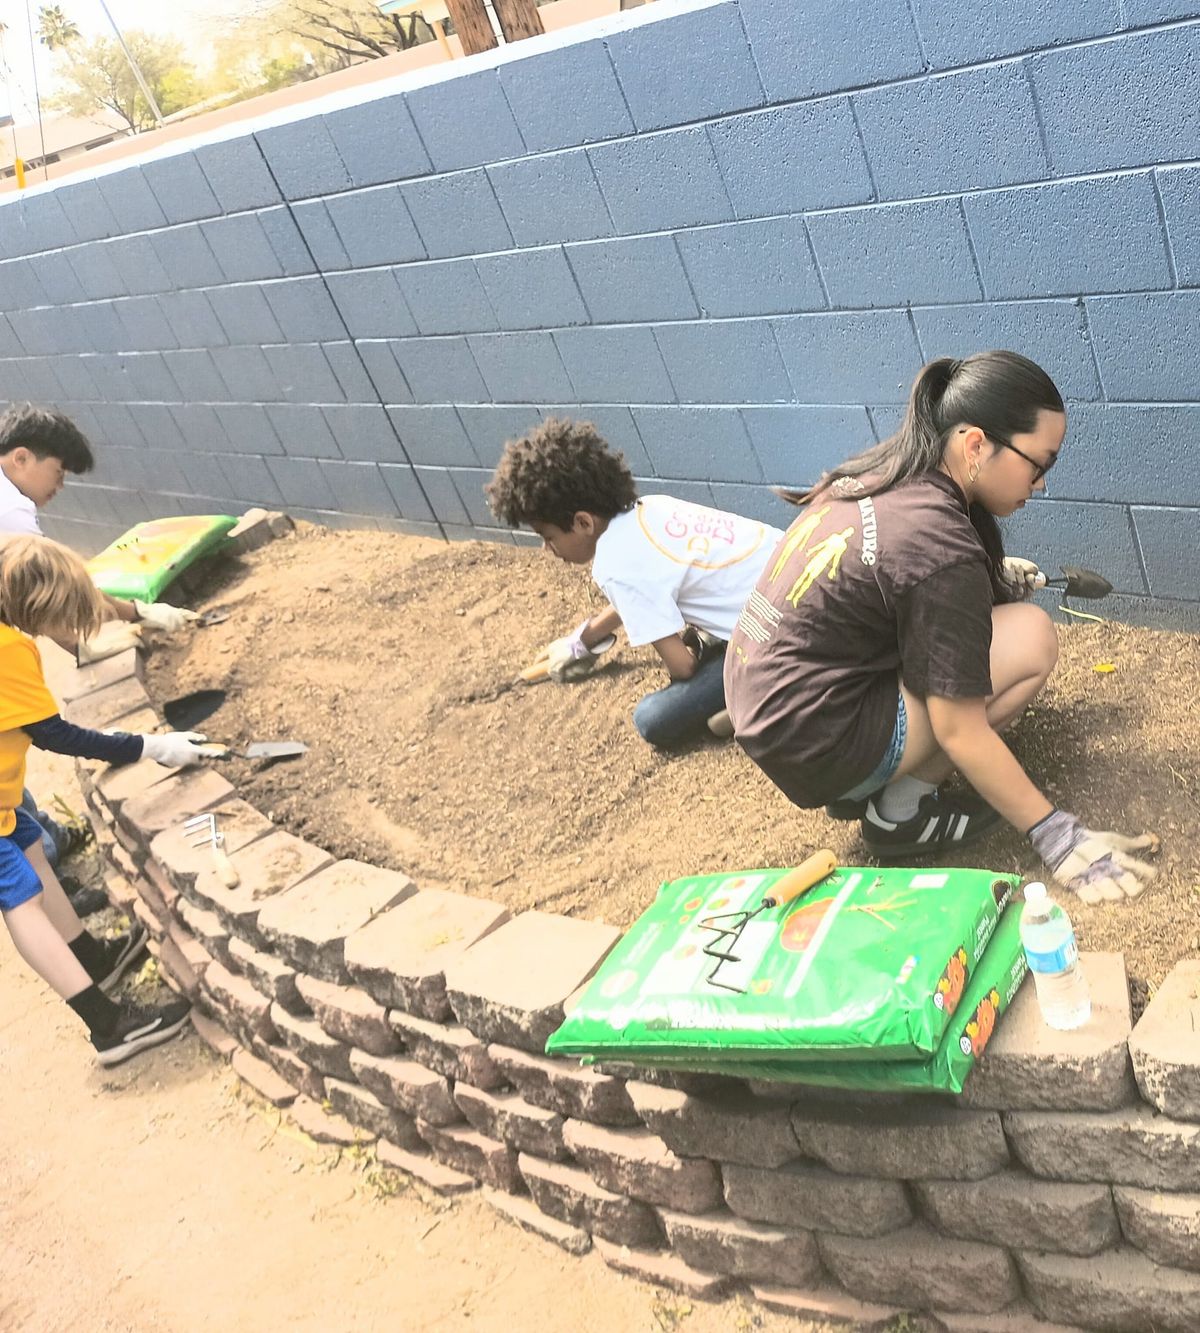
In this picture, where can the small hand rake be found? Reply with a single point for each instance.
(201, 829)
(728, 926)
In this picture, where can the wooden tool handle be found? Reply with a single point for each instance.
(227, 872)
(809, 872)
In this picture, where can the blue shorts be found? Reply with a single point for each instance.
(886, 768)
(18, 880)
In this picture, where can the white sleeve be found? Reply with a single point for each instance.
(647, 613)
(19, 519)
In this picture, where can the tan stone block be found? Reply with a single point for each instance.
(571, 1195)
(363, 1108)
(249, 1012)
(1166, 1227)
(288, 1065)
(206, 927)
(324, 1126)
(735, 1127)
(638, 1163)
(268, 976)
(1012, 1206)
(1119, 1290)
(527, 1215)
(310, 922)
(218, 1040)
(175, 852)
(918, 1269)
(349, 1014)
(511, 985)
(266, 867)
(722, 1243)
(1130, 1147)
(920, 1141)
(1029, 1066)
(119, 782)
(263, 1079)
(805, 1196)
(467, 1150)
(561, 1085)
(511, 1119)
(104, 708)
(313, 1044)
(400, 958)
(192, 792)
(426, 1168)
(408, 1086)
(1166, 1044)
(95, 676)
(663, 1269)
(822, 1303)
(448, 1048)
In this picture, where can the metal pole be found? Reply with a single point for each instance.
(133, 65)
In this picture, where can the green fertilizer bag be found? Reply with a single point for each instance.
(988, 994)
(871, 964)
(142, 563)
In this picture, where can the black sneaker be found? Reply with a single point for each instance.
(87, 901)
(121, 954)
(138, 1028)
(941, 821)
(847, 808)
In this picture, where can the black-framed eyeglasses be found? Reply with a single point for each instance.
(1039, 469)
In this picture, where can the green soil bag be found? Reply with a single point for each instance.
(142, 563)
(988, 994)
(870, 964)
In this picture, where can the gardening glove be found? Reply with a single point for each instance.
(161, 615)
(113, 637)
(1021, 577)
(1094, 865)
(175, 749)
(568, 659)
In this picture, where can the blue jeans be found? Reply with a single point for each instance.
(679, 712)
(54, 836)
(886, 768)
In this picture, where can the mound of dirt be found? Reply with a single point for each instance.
(395, 659)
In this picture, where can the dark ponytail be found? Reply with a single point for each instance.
(1000, 392)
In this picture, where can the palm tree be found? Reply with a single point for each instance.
(55, 29)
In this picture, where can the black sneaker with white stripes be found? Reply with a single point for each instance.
(941, 821)
(120, 956)
(138, 1028)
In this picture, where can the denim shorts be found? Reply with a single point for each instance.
(18, 880)
(890, 762)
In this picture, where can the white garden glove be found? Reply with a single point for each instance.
(1095, 865)
(1021, 577)
(113, 637)
(161, 615)
(569, 659)
(175, 749)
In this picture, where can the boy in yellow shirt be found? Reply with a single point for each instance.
(46, 589)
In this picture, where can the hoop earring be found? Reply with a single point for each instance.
(973, 473)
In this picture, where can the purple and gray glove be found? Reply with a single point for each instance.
(1094, 865)
(569, 659)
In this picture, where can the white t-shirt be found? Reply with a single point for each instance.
(666, 564)
(18, 513)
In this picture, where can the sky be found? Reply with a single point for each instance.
(187, 19)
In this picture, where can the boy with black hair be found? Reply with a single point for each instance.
(676, 574)
(38, 447)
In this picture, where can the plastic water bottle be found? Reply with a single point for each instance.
(1048, 939)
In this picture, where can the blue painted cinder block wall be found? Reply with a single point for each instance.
(730, 233)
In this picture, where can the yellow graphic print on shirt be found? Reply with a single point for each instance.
(797, 539)
(826, 558)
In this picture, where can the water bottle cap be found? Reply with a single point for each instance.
(1035, 892)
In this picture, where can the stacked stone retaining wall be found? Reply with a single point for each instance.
(1061, 1190)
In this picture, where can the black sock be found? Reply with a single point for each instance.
(96, 1009)
(92, 954)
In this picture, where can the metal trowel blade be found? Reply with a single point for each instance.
(275, 749)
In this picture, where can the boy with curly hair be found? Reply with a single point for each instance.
(676, 574)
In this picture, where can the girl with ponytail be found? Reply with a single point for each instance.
(888, 643)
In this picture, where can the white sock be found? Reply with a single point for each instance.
(899, 799)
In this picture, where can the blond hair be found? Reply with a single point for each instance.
(45, 588)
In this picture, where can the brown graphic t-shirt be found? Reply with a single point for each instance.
(862, 592)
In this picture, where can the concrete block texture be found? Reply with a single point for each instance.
(1119, 1291)
(751, 205)
(1166, 1056)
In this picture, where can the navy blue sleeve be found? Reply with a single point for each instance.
(63, 737)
